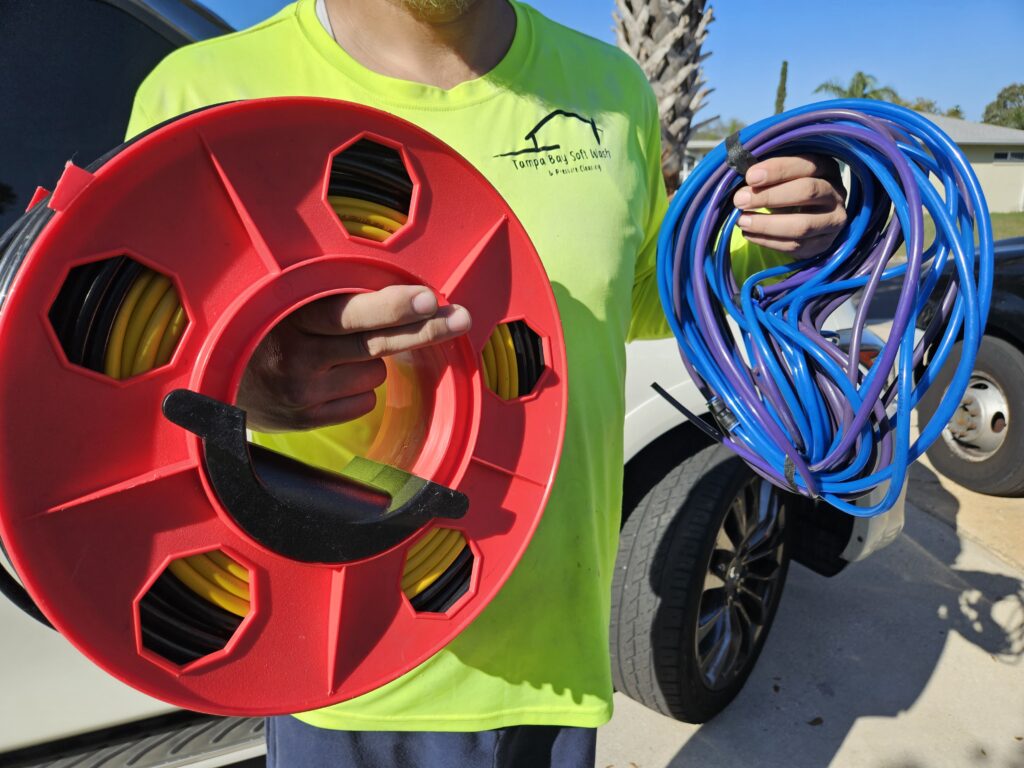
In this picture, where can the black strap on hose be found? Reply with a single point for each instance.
(705, 427)
(790, 469)
(737, 156)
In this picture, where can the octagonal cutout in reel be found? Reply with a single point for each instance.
(195, 566)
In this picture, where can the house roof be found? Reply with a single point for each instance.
(965, 132)
(706, 144)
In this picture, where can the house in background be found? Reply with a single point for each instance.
(695, 151)
(995, 153)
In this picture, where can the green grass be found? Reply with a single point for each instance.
(1003, 225)
(1007, 225)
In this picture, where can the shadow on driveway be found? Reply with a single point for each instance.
(865, 644)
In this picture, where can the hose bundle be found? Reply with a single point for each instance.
(801, 410)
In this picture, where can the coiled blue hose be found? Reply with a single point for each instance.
(798, 408)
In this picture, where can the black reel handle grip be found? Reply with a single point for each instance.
(301, 512)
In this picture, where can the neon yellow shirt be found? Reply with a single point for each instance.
(591, 201)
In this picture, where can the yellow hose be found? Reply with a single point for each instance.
(350, 213)
(218, 577)
(508, 348)
(504, 375)
(219, 597)
(154, 332)
(172, 335)
(112, 365)
(228, 564)
(418, 579)
(433, 544)
(364, 219)
(365, 230)
(337, 201)
(141, 313)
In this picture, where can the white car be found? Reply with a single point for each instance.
(705, 544)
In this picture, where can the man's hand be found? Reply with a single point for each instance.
(320, 365)
(806, 198)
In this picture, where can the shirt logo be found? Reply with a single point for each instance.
(561, 144)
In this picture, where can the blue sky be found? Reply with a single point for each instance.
(948, 50)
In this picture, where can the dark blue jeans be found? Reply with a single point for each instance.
(293, 744)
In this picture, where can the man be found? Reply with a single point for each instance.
(528, 682)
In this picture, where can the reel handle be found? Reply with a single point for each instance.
(301, 512)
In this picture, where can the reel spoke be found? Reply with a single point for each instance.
(365, 603)
(115, 541)
(484, 271)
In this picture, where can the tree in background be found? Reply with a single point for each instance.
(864, 86)
(665, 37)
(932, 106)
(922, 105)
(861, 86)
(718, 128)
(1008, 107)
(780, 92)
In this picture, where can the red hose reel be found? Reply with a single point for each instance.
(106, 482)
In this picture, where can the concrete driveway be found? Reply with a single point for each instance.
(911, 659)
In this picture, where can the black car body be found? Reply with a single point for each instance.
(1006, 316)
(980, 447)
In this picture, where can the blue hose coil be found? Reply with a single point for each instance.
(804, 413)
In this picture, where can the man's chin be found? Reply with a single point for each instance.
(438, 10)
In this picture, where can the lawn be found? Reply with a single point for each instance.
(1003, 225)
(1007, 225)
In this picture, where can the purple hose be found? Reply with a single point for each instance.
(804, 412)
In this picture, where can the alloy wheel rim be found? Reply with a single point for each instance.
(742, 582)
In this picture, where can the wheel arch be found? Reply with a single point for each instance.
(652, 462)
(819, 536)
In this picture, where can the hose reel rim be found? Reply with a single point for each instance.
(499, 476)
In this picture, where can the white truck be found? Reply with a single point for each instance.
(705, 545)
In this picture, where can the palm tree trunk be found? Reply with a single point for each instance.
(665, 37)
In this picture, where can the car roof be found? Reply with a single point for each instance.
(180, 21)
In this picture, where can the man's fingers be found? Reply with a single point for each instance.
(792, 226)
(323, 352)
(779, 169)
(449, 323)
(807, 191)
(320, 366)
(346, 313)
(303, 392)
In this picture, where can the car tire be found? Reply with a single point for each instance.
(680, 532)
(983, 460)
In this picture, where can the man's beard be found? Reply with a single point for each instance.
(438, 8)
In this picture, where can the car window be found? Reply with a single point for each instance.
(68, 74)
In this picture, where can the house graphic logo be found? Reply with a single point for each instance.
(561, 143)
